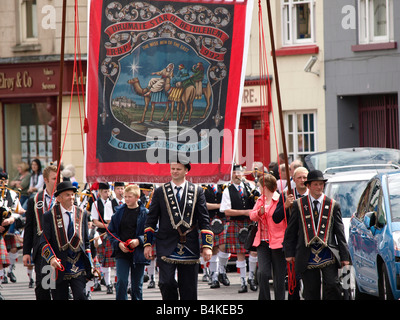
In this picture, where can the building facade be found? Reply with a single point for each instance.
(30, 33)
(362, 73)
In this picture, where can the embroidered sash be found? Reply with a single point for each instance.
(181, 218)
(316, 236)
(316, 233)
(61, 235)
(40, 207)
(177, 216)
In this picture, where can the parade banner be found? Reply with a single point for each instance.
(164, 79)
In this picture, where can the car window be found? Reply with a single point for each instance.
(375, 204)
(364, 204)
(347, 194)
(394, 196)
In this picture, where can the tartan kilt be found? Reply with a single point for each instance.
(104, 252)
(219, 238)
(4, 260)
(231, 235)
(13, 241)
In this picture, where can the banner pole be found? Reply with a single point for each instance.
(60, 93)
(278, 95)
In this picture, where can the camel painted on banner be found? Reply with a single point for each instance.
(186, 100)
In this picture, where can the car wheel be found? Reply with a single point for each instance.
(385, 291)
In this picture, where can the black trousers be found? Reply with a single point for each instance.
(40, 292)
(77, 285)
(186, 286)
(330, 283)
(271, 260)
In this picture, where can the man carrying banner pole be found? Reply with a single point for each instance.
(179, 208)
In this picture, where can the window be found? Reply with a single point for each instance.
(301, 134)
(28, 20)
(27, 135)
(298, 22)
(375, 21)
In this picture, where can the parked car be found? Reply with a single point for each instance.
(348, 172)
(374, 239)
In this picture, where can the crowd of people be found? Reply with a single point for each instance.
(275, 226)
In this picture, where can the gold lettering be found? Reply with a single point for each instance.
(6, 83)
(48, 86)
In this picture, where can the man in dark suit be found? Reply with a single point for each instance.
(65, 244)
(315, 240)
(179, 208)
(37, 206)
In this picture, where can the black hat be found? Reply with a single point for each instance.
(180, 158)
(64, 186)
(104, 185)
(146, 186)
(119, 184)
(315, 175)
(237, 167)
(3, 175)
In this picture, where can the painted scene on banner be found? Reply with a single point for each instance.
(167, 81)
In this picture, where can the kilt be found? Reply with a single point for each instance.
(231, 235)
(13, 241)
(219, 238)
(104, 252)
(4, 260)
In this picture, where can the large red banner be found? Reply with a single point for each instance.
(164, 80)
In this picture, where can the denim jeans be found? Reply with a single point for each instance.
(137, 272)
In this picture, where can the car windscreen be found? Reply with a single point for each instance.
(352, 157)
(347, 194)
(394, 196)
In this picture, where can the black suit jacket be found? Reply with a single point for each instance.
(31, 238)
(167, 237)
(49, 232)
(294, 243)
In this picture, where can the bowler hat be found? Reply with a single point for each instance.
(315, 175)
(64, 186)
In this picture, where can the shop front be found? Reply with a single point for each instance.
(29, 102)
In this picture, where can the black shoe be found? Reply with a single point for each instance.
(152, 284)
(31, 283)
(5, 280)
(97, 287)
(222, 277)
(215, 284)
(12, 277)
(243, 288)
(110, 289)
(253, 285)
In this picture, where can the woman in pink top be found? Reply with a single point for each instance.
(268, 240)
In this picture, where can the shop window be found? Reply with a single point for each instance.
(27, 135)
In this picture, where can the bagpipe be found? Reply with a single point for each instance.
(8, 201)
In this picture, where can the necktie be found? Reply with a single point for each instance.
(178, 196)
(241, 191)
(316, 203)
(120, 202)
(70, 228)
(50, 200)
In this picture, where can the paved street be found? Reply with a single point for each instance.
(20, 290)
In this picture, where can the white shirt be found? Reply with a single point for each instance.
(320, 200)
(183, 185)
(66, 217)
(226, 198)
(108, 211)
